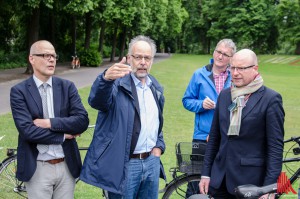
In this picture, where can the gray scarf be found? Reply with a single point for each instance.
(238, 103)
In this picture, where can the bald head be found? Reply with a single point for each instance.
(247, 56)
(38, 46)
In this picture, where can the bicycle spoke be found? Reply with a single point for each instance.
(9, 184)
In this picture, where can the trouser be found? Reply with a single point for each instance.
(51, 181)
(193, 187)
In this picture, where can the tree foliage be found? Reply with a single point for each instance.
(266, 26)
(288, 18)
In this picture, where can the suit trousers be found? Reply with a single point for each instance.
(51, 181)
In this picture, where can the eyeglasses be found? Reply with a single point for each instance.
(224, 54)
(239, 69)
(47, 56)
(140, 57)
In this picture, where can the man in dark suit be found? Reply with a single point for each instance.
(246, 137)
(49, 115)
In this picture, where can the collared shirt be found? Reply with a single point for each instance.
(148, 115)
(220, 80)
(55, 150)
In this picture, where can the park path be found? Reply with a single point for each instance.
(81, 77)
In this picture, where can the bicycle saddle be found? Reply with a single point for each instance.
(250, 191)
(199, 196)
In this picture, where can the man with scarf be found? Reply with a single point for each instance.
(246, 136)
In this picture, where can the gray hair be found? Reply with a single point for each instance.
(145, 39)
(228, 43)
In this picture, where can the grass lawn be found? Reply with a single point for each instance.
(280, 73)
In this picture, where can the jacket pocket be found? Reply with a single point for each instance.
(256, 162)
(100, 151)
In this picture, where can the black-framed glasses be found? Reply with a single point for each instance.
(239, 69)
(224, 54)
(140, 57)
(47, 56)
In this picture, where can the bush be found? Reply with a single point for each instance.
(106, 51)
(13, 60)
(89, 58)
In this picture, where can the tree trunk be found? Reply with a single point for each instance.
(123, 42)
(113, 51)
(88, 29)
(52, 28)
(101, 37)
(33, 33)
(74, 34)
(297, 51)
(208, 43)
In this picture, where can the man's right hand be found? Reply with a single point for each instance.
(203, 185)
(117, 70)
(208, 104)
(69, 136)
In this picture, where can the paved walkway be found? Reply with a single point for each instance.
(81, 77)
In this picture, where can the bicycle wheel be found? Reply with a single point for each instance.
(9, 184)
(178, 188)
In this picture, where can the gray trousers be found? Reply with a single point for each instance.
(51, 181)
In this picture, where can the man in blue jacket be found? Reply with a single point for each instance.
(204, 87)
(124, 156)
(203, 90)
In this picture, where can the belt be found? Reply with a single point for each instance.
(55, 161)
(140, 155)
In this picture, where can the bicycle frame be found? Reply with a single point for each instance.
(254, 192)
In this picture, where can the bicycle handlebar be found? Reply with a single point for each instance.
(251, 191)
(295, 139)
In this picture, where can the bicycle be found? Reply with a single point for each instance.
(178, 186)
(190, 157)
(10, 185)
(252, 191)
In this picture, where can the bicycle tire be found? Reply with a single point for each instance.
(178, 187)
(9, 184)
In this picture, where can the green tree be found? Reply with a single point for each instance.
(194, 34)
(250, 23)
(288, 19)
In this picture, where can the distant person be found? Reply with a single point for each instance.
(49, 115)
(124, 155)
(246, 137)
(203, 90)
(169, 50)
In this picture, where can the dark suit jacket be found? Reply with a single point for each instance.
(70, 117)
(253, 157)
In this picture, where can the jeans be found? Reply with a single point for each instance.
(142, 179)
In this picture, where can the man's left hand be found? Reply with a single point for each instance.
(156, 152)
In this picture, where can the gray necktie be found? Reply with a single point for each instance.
(43, 148)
